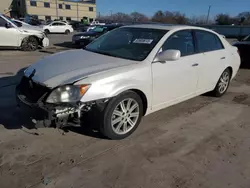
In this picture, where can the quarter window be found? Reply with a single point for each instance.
(181, 40)
(207, 41)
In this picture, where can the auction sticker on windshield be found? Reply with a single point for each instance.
(143, 41)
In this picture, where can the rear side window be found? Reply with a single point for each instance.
(207, 41)
(2, 22)
(181, 40)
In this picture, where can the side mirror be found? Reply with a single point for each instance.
(168, 55)
(8, 25)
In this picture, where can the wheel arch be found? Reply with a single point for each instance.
(143, 98)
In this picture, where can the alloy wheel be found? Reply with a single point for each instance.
(224, 82)
(125, 116)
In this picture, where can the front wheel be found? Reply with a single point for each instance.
(223, 84)
(67, 32)
(122, 116)
(29, 44)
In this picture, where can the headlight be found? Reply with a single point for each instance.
(68, 93)
(84, 37)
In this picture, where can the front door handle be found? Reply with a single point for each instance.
(195, 65)
(223, 58)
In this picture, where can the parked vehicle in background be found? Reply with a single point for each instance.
(83, 39)
(20, 23)
(244, 50)
(23, 37)
(127, 73)
(96, 23)
(58, 27)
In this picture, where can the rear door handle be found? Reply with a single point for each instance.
(195, 65)
(223, 58)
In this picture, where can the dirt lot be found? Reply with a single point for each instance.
(203, 143)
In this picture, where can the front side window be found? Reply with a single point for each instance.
(61, 24)
(47, 5)
(207, 41)
(33, 3)
(127, 43)
(181, 40)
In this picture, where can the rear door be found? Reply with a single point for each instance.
(215, 56)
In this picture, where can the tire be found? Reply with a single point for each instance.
(122, 128)
(67, 32)
(223, 84)
(29, 44)
(46, 31)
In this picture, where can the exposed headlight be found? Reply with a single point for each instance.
(67, 93)
(84, 37)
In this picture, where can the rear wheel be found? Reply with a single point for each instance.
(223, 84)
(29, 44)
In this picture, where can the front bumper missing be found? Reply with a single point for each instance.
(57, 114)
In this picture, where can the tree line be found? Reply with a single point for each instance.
(179, 18)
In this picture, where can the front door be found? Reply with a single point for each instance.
(9, 36)
(174, 81)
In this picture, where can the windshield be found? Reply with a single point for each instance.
(127, 43)
(11, 21)
(247, 38)
(97, 29)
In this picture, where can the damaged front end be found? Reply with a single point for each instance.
(42, 103)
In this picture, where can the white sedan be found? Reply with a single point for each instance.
(128, 73)
(58, 27)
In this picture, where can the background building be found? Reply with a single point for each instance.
(5, 6)
(51, 9)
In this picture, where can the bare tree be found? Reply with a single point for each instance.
(138, 17)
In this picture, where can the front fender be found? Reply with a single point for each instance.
(100, 91)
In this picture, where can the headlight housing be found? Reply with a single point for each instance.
(67, 93)
(84, 37)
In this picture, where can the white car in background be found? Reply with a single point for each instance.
(23, 37)
(58, 27)
(128, 73)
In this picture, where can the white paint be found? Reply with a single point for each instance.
(164, 84)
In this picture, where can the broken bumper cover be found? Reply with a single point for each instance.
(41, 110)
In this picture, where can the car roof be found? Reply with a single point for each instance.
(166, 26)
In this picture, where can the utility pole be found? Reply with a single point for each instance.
(208, 13)
(77, 12)
(56, 10)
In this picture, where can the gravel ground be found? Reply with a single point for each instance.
(203, 142)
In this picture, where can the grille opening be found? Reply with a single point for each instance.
(31, 90)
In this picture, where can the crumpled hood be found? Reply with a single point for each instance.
(69, 66)
(31, 29)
